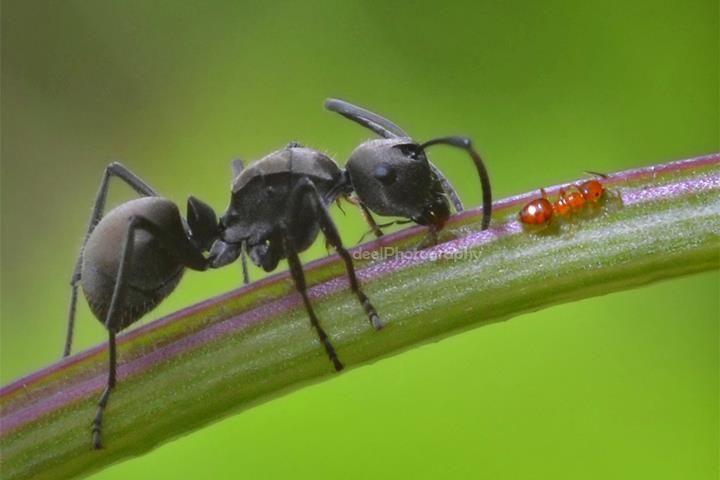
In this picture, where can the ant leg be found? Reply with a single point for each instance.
(385, 225)
(114, 169)
(433, 234)
(466, 144)
(447, 188)
(367, 216)
(102, 403)
(243, 263)
(174, 242)
(112, 322)
(69, 330)
(236, 167)
(305, 188)
(395, 222)
(296, 271)
(374, 227)
(429, 240)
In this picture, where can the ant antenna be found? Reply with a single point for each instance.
(597, 174)
(466, 144)
(380, 125)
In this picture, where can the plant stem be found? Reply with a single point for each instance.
(249, 345)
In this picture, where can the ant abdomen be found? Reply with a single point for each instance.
(153, 272)
(537, 212)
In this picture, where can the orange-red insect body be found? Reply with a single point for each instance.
(540, 211)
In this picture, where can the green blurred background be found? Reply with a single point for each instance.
(623, 386)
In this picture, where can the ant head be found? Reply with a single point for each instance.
(235, 223)
(393, 177)
(591, 190)
(231, 228)
(202, 222)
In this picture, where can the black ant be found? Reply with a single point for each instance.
(279, 204)
(134, 256)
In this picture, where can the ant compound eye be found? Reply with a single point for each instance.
(411, 150)
(385, 173)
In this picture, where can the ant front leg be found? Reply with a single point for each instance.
(118, 170)
(305, 189)
(244, 264)
(236, 168)
(375, 229)
(385, 225)
(429, 240)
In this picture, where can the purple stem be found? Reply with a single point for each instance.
(17, 414)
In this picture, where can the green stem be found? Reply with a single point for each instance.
(231, 352)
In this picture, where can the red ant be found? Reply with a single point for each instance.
(540, 211)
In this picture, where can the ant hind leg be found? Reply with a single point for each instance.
(180, 246)
(114, 169)
(102, 403)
